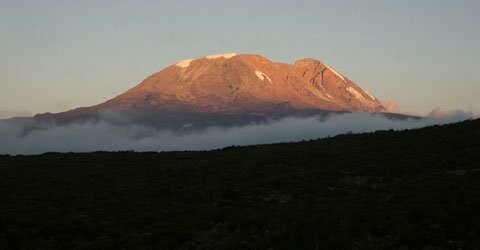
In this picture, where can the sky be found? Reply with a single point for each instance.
(60, 54)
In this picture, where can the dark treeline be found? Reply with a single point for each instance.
(417, 189)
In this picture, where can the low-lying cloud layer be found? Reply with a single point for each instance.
(5, 114)
(103, 136)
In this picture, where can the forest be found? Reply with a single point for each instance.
(412, 189)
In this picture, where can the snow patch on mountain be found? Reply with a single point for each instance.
(355, 93)
(184, 63)
(371, 96)
(336, 73)
(262, 76)
(226, 56)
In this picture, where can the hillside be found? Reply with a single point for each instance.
(385, 190)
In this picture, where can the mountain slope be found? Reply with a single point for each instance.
(231, 85)
(247, 83)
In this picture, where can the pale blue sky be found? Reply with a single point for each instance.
(60, 54)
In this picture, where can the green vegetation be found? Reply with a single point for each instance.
(417, 189)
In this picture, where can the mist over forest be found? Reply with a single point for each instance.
(105, 135)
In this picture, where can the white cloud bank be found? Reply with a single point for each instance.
(101, 136)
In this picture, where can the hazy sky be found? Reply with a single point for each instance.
(56, 55)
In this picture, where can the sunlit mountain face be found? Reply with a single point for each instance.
(229, 89)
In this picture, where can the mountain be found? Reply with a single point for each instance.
(232, 88)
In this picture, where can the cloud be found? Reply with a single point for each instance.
(96, 136)
(439, 113)
(390, 106)
(5, 114)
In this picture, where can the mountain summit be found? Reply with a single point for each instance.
(232, 83)
(236, 84)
